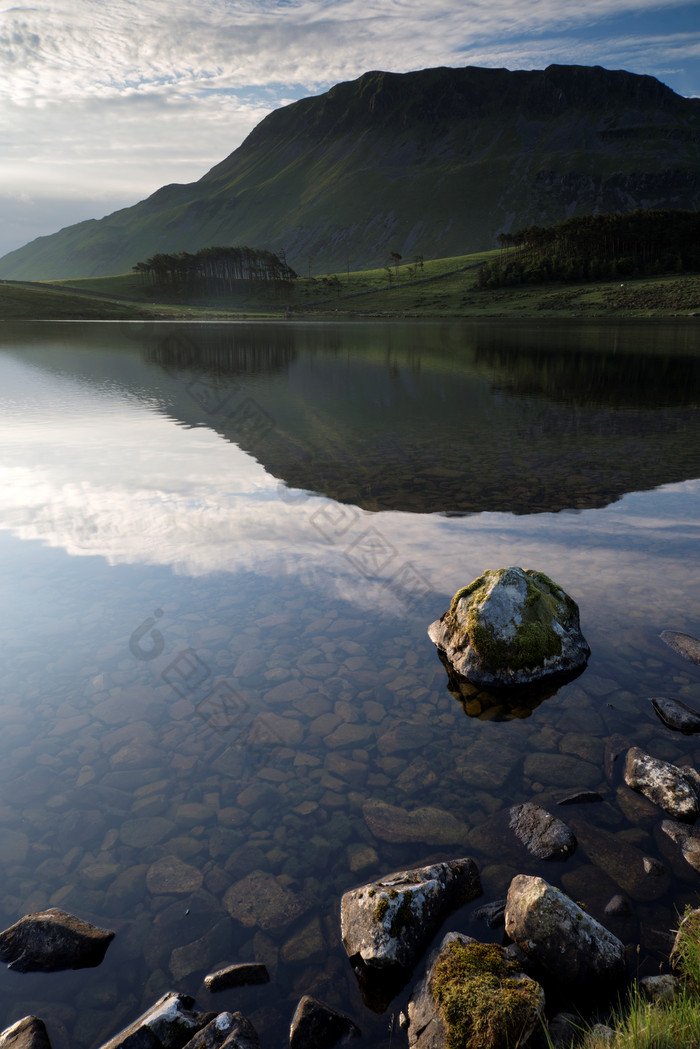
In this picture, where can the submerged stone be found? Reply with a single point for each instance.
(511, 627)
(676, 714)
(684, 644)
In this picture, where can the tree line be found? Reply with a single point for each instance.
(217, 268)
(597, 247)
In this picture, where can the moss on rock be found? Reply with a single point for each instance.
(484, 1001)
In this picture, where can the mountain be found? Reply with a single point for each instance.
(435, 162)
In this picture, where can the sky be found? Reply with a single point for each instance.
(104, 101)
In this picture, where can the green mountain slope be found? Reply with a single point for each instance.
(435, 162)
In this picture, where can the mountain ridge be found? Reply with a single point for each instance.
(435, 162)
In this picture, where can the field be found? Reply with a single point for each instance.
(432, 289)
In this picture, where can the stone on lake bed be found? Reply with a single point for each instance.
(543, 835)
(684, 644)
(53, 940)
(688, 838)
(427, 824)
(170, 875)
(511, 627)
(261, 900)
(241, 975)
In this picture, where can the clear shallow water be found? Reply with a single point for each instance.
(220, 550)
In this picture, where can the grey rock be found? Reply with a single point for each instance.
(688, 838)
(230, 1029)
(659, 989)
(494, 914)
(684, 644)
(240, 975)
(543, 835)
(618, 907)
(668, 786)
(425, 824)
(602, 1032)
(509, 628)
(28, 1033)
(170, 1023)
(388, 923)
(317, 1026)
(575, 949)
(51, 940)
(564, 1030)
(621, 861)
(677, 715)
(427, 1029)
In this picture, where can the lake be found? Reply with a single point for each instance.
(221, 547)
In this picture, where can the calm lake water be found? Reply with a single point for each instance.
(220, 551)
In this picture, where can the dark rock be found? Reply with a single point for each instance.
(668, 786)
(677, 715)
(618, 907)
(572, 947)
(169, 1024)
(621, 861)
(216, 1033)
(510, 628)
(581, 797)
(51, 940)
(492, 913)
(543, 835)
(29, 1033)
(242, 1034)
(237, 976)
(614, 747)
(688, 838)
(659, 989)
(428, 1028)
(317, 1026)
(388, 923)
(684, 644)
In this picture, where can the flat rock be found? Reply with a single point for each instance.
(51, 940)
(28, 1033)
(170, 875)
(316, 1026)
(426, 824)
(427, 1026)
(388, 923)
(676, 714)
(574, 948)
(510, 628)
(668, 786)
(241, 975)
(688, 838)
(621, 861)
(543, 835)
(684, 644)
(261, 900)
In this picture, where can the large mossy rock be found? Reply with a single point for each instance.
(511, 627)
(473, 996)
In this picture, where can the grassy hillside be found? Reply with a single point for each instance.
(437, 161)
(444, 288)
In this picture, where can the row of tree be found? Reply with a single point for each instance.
(216, 269)
(596, 247)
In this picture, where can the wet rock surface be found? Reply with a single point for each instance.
(676, 714)
(574, 948)
(388, 923)
(169, 1023)
(687, 838)
(28, 1033)
(51, 940)
(510, 628)
(684, 644)
(671, 788)
(543, 835)
(240, 975)
(318, 1026)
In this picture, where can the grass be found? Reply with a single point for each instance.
(674, 1025)
(440, 288)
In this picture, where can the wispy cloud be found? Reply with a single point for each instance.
(113, 100)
